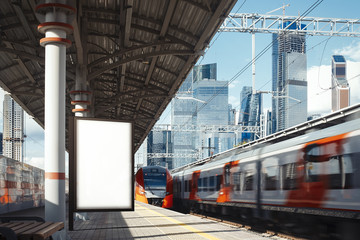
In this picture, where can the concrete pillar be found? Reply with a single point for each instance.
(55, 17)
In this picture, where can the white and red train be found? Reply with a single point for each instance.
(153, 185)
(313, 176)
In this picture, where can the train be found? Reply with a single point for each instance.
(305, 176)
(21, 186)
(153, 185)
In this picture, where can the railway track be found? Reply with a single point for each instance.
(264, 231)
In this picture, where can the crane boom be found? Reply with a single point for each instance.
(316, 26)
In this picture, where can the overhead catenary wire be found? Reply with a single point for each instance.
(259, 55)
(212, 43)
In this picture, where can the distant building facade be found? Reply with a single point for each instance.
(340, 91)
(289, 84)
(265, 124)
(201, 100)
(182, 113)
(13, 132)
(212, 111)
(206, 71)
(159, 142)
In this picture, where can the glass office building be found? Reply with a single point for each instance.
(159, 142)
(340, 91)
(183, 108)
(213, 110)
(289, 85)
(201, 100)
(250, 111)
(206, 71)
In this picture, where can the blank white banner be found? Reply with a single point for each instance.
(104, 165)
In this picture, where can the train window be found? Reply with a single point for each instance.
(212, 183)
(236, 179)
(355, 157)
(313, 171)
(289, 176)
(271, 175)
(340, 171)
(186, 187)
(348, 169)
(227, 175)
(200, 187)
(205, 184)
(334, 172)
(154, 181)
(249, 179)
(312, 153)
(218, 182)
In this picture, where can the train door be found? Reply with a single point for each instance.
(312, 173)
(194, 186)
(226, 186)
(182, 186)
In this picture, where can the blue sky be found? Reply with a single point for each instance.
(232, 51)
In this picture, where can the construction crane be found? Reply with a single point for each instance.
(282, 7)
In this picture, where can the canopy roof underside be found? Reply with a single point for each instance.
(136, 54)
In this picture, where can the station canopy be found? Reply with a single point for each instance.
(136, 54)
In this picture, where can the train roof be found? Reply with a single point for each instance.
(332, 119)
(149, 168)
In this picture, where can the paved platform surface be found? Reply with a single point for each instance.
(150, 222)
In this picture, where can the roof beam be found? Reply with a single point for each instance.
(126, 51)
(102, 109)
(23, 54)
(108, 67)
(205, 36)
(169, 13)
(28, 93)
(25, 23)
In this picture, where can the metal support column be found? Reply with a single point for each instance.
(253, 62)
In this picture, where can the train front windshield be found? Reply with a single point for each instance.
(155, 181)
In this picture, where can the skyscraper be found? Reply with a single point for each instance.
(206, 71)
(245, 98)
(201, 100)
(159, 142)
(13, 135)
(340, 91)
(212, 111)
(250, 111)
(289, 85)
(182, 113)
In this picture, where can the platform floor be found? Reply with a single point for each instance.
(150, 222)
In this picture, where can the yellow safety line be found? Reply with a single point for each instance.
(184, 225)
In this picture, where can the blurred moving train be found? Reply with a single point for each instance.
(21, 186)
(153, 185)
(312, 178)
